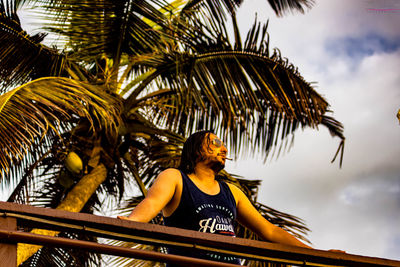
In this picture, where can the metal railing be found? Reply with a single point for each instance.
(12, 214)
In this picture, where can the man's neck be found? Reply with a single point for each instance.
(203, 173)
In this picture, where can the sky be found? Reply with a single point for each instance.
(351, 49)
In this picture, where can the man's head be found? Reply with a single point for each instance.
(203, 146)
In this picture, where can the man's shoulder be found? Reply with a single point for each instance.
(236, 191)
(170, 177)
(170, 173)
(232, 186)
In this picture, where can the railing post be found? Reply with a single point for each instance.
(8, 251)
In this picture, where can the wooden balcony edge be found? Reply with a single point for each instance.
(157, 234)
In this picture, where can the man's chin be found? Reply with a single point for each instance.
(217, 166)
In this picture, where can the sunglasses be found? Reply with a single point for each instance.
(217, 142)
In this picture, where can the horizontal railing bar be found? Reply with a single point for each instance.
(29, 238)
(154, 241)
(157, 234)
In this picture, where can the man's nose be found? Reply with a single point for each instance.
(224, 148)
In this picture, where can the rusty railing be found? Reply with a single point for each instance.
(13, 215)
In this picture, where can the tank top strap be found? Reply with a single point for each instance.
(185, 177)
(188, 187)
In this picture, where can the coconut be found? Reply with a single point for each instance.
(73, 163)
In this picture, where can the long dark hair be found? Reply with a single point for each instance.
(191, 152)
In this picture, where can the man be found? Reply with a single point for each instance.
(191, 198)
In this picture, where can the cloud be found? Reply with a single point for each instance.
(380, 188)
(363, 46)
(337, 21)
(354, 55)
(367, 207)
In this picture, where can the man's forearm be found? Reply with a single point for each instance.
(281, 236)
(144, 212)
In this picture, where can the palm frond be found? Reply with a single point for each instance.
(105, 27)
(150, 148)
(253, 96)
(280, 7)
(30, 112)
(125, 262)
(290, 223)
(60, 257)
(23, 57)
(33, 183)
(218, 9)
(336, 129)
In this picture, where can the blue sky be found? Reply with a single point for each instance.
(354, 56)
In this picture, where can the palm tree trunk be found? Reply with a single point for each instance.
(74, 202)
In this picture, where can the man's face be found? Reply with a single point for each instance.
(214, 152)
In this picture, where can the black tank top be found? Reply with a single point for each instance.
(201, 212)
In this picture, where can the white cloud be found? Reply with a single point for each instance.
(356, 208)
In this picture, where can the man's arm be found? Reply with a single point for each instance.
(159, 195)
(248, 216)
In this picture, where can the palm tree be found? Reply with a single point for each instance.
(126, 82)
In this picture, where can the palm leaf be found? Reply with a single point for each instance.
(290, 223)
(32, 111)
(254, 97)
(60, 257)
(280, 7)
(105, 27)
(22, 57)
(125, 262)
